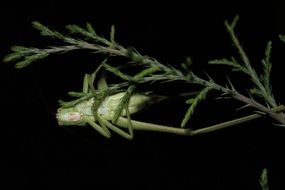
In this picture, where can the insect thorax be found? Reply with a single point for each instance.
(78, 114)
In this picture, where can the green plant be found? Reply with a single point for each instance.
(110, 106)
(263, 180)
(154, 71)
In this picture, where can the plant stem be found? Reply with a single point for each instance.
(236, 95)
(167, 73)
(234, 122)
(248, 101)
(121, 51)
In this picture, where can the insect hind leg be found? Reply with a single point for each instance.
(85, 87)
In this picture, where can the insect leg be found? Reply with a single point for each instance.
(85, 83)
(102, 83)
(130, 127)
(102, 130)
(128, 135)
(117, 130)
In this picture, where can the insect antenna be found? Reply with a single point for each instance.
(45, 103)
(41, 96)
(77, 135)
(48, 108)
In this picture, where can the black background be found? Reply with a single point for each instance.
(36, 152)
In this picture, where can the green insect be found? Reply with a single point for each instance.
(99, 112)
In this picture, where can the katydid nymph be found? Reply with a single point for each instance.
(98, 111)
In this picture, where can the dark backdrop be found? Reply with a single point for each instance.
(36, 152)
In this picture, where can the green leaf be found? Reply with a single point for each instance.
(263, 181)
(112, 36)
(190, 101)
(187, 64)
(236, 42)
(267, 66)
(45, 31)
(90, 29)
(75, 29)
(29, 59)
(145, 72)
(282, 37)
(193, 104)
(20, 49)
(116, 72)
(255, 91)
(131, 54)
(234, 22)
(76, 94)
(12, 57)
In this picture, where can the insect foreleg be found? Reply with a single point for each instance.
(85, 88)
(102, 130)
(130, 127)
(117, 130)
(102, 83)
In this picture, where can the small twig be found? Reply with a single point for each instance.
(234, 122)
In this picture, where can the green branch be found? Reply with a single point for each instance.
(154, 71)
(262, 87)
(193, 104)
